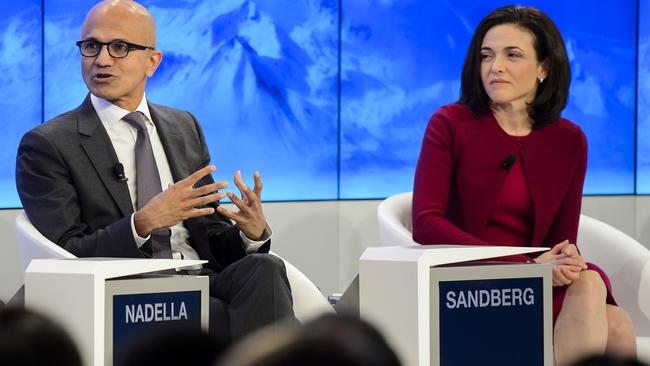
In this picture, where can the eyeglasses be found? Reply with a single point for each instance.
(117, 49)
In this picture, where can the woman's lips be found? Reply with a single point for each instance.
(499, 82)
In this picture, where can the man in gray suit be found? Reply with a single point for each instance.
(81, 179)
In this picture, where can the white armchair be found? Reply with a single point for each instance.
(33, 245)
(627, 263)
(625, 260)
(394, 220)
(308, 301)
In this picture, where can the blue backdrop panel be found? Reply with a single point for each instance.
(643, 101)
(260, 76)
(401, 60)
(20, 94)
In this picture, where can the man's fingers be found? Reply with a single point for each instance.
(241, 205)
(209, 188)
(229, 214)
(246, 193)
(250, 197)
(204, 200)
(196, 212)
(197, 176)
(258, 184)
(239, 182)
(222, 185)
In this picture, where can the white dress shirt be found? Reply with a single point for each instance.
(123, 137)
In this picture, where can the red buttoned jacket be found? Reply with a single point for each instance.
(459, 177)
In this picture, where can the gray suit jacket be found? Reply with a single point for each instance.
(67, 185)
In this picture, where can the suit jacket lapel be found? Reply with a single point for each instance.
(172, 141)
(98, 147)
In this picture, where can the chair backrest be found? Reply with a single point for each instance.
(394, 220)
(626, 262)
(33, 245)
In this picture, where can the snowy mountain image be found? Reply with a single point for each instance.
(327, 102)
(261, 80)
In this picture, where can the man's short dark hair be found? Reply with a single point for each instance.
(31, 339)
(549, 47)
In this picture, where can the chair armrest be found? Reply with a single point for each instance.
(308, 301)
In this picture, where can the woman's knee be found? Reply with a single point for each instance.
(589, 284)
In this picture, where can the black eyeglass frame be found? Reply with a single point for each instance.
(129, 47)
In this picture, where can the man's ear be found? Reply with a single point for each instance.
(155, 57)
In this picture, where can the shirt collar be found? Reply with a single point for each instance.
(110, 114)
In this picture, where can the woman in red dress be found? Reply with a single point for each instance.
(501, 167)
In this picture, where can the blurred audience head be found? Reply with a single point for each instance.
(172, 346)
(30, 339)
(608, 360)
(325, 341)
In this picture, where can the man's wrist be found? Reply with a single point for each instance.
(142, 224)
(263, 236)
(139, 240)
(251, 245)
(266, 235)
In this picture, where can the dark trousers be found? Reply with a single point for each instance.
(249, 294)
(246, 295)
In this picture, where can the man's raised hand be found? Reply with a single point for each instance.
(179, 202)
(250, 217)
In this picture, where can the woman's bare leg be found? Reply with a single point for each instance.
(621, 340)
(581, 326)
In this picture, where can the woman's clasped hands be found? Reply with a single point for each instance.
(567, 263)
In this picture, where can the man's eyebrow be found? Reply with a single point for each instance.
(112, 40)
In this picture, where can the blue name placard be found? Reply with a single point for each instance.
(500, 320)
(135, 314)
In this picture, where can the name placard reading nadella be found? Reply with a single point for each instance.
(137, 314)
(502, 320)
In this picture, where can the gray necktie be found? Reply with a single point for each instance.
(148, 181)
